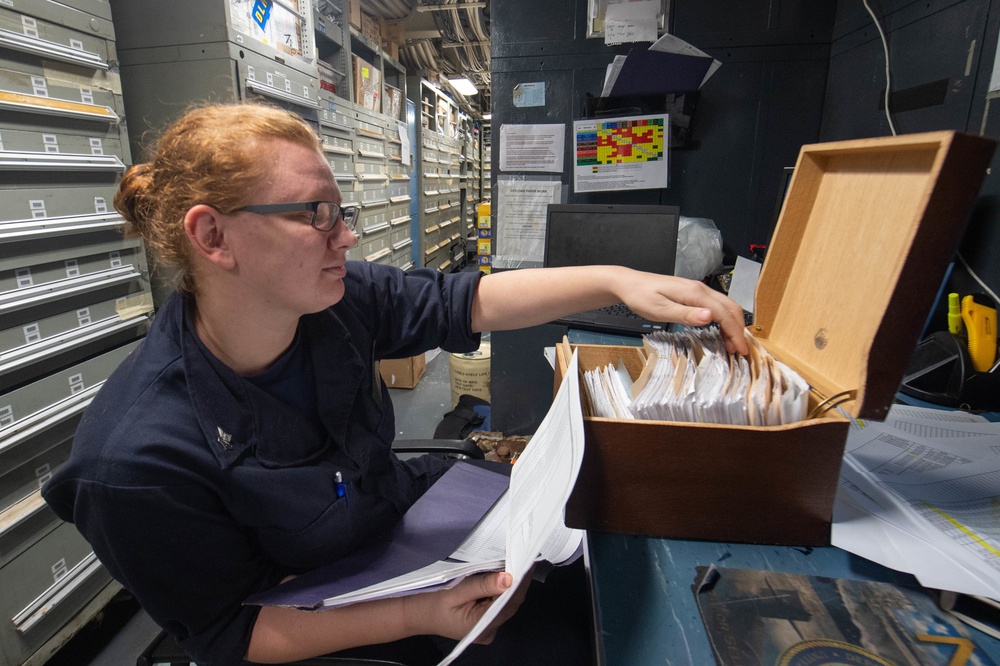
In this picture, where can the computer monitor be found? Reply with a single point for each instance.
(643, 237)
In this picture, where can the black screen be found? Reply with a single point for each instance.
(639, 237)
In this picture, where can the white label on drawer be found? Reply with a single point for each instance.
(83, 316)
(270, 79)
(86, 95)
(6, 415)
(23, 277)
(100, 205)
(76, 384)
(29, 26)
(32, 333)
(51, 142)
(9, 3)
(39, 86)
(96, 147)
(1, 140)
(43, 474)
(59, 570)
(251, 74)
(305, 91)
(37, 207)
(288, 85)
(76, 44)
(72, 268)
(115, 258)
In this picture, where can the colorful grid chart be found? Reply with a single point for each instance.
(620, 141)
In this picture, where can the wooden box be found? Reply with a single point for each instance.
(403, 372)
(860, 249)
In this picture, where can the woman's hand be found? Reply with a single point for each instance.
(667, 298)
(453, 612)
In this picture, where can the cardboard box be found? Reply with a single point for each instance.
(403, 372)
(862, 244)
(393, 102)
(370, 29)
(367, 84)
(354, 13)
(393, 31)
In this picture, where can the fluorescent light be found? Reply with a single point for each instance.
(464, 86)
(487, 116)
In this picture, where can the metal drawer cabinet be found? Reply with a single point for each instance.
(31, 406)
(54, 31)
(403, 257)
(376, 247)
(374, 194)
(74, 197)
(41, 328)
(48, 589)
(19, 140)
(38, 421)
(373, 222)
(92, 16)
(95, 8)
(31, 265)
(399, 188)
(343, 168)
(29, 461)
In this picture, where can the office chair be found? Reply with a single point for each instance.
(163, 649)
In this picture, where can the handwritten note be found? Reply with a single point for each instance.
(628, 22)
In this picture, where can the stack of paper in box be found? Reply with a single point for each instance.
(689, 376)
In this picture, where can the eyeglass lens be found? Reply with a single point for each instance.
(327, 213)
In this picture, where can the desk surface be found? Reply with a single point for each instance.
(647, 611)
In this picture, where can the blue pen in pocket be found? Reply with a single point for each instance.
(338, 478)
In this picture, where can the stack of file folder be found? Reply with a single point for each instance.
(690, 377)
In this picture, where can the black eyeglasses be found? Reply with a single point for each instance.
(324, 213)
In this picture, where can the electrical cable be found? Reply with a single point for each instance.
(978, 280)
(885, 48)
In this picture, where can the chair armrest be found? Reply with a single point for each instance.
(447, 448)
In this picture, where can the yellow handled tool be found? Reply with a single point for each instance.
(980, 317)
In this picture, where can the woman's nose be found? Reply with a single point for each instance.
(342, 236)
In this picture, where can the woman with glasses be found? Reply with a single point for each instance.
(203, 472)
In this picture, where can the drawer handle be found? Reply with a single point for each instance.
(42, 47)
(24, 161)
(20, 299)
(340, 150)
(338, 126)
(21, 230)
(48, 106)
(271, 91)
(34, 612)
(375, 228)
(378, 255)
(44, 419)
(49, 347)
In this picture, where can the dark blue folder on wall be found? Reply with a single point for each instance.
(648, 72)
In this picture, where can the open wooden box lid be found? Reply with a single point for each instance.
(861, 247)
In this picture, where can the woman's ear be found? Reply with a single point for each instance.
(205, 228)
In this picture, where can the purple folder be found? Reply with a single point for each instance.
(430, 531)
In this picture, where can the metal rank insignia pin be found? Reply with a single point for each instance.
(225, 438)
